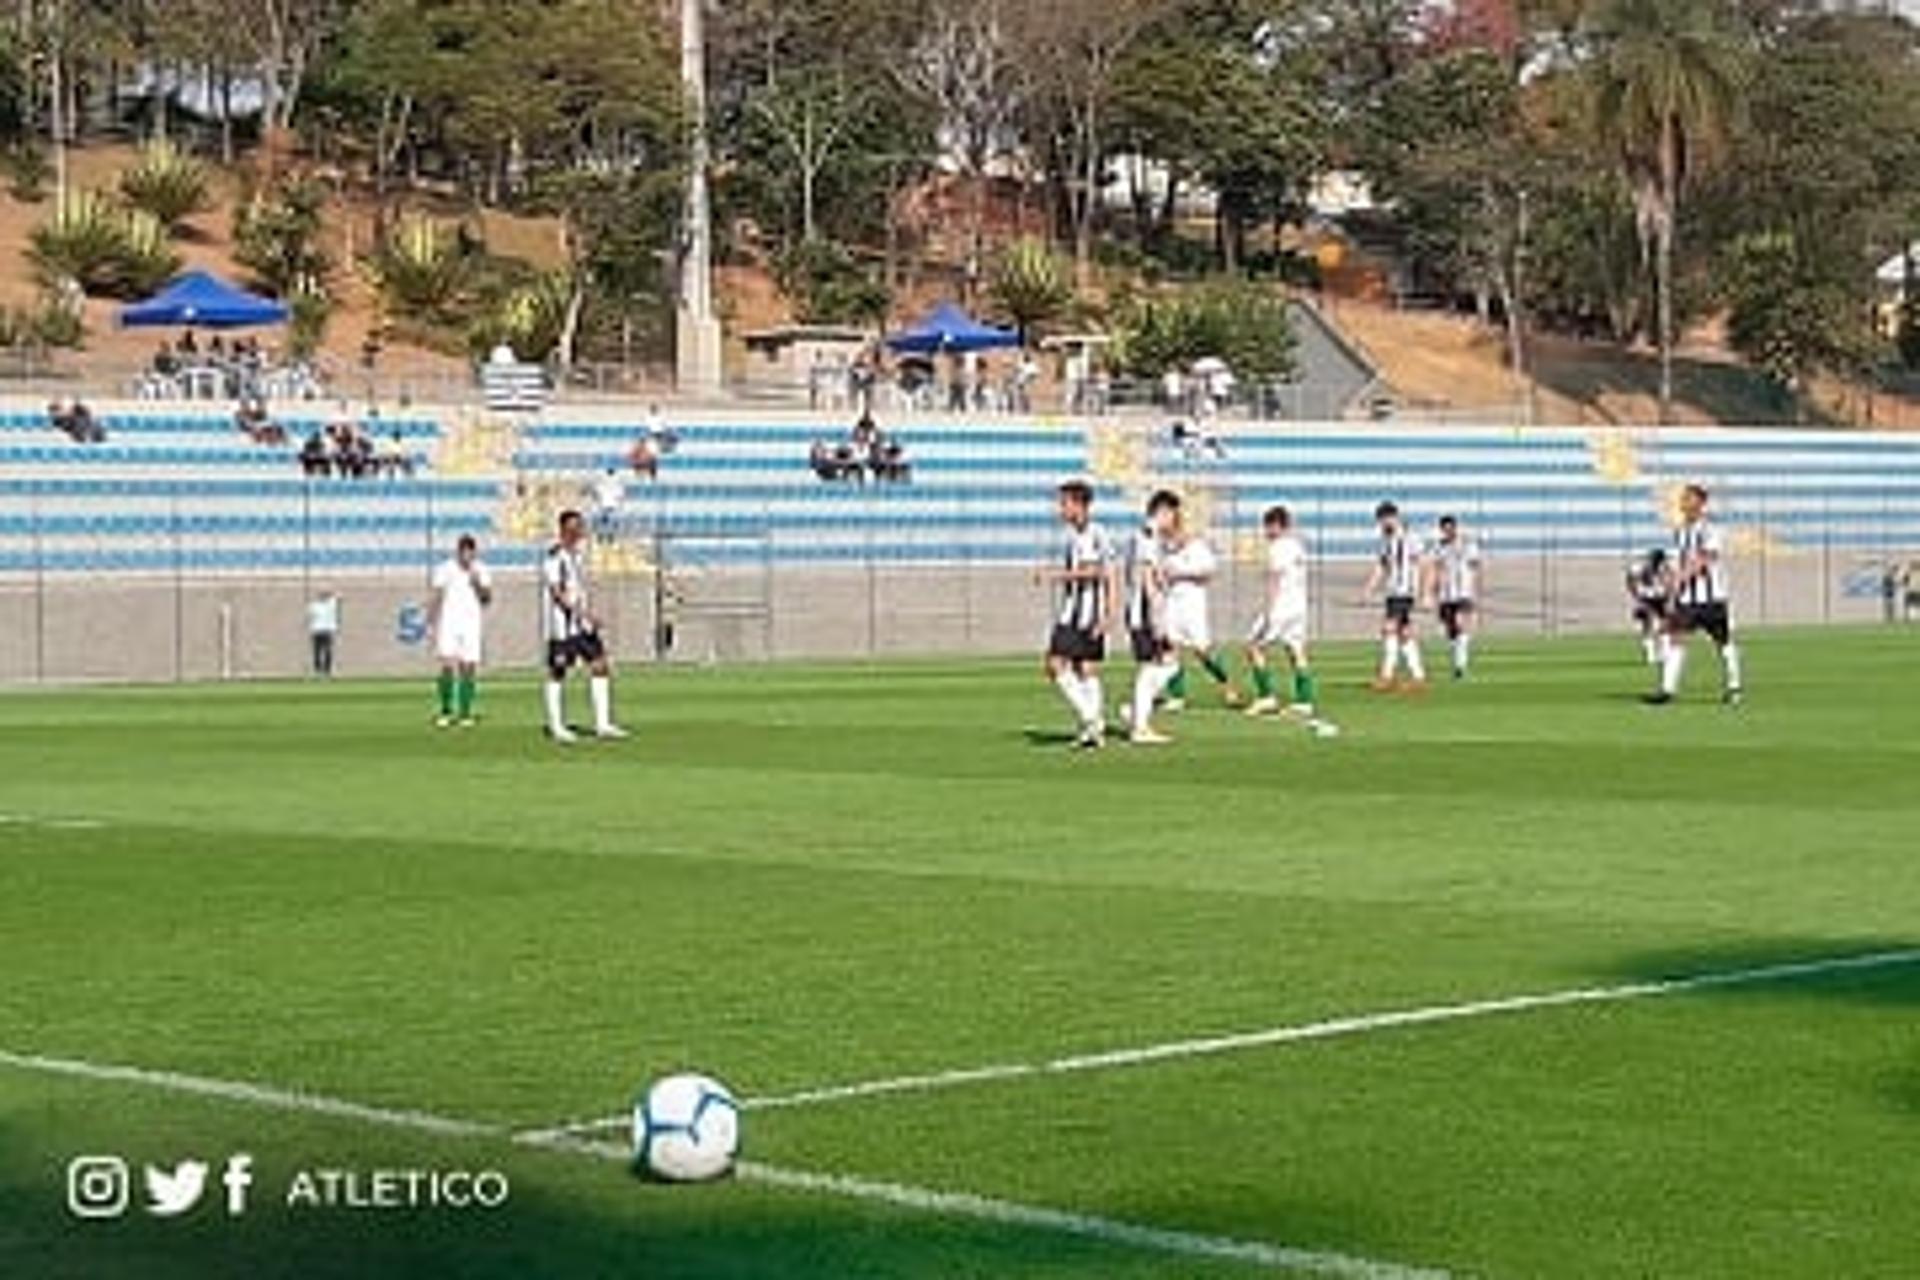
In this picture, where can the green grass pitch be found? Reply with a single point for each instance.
(801, 876)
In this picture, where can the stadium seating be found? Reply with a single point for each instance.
(173, 490)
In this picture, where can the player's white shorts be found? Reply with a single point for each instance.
(1188, 626)
(458, 644)
(1287, 628)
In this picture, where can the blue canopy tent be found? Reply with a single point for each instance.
(206, 301)
(949, 329)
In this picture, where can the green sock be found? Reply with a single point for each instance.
(445, 687)
(1263, 681)
(1304, 688)
(1214, 669)
(467, 689)
(1177, 687)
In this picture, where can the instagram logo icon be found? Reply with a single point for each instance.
(96, 1186)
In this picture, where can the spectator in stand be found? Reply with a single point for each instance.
(866, 435)
(1026, 373)
(257, 425)
(188, 347)
(394, 460)
(835, 462)
(78, 422)
(165, 362)
(609, 494)
(313, 455)
(887, 459)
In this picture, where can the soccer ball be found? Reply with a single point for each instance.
(686, 1128)
(1325, 729)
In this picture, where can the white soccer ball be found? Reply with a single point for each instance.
(686, 1128)
(1325, 729)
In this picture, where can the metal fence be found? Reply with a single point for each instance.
(128, 583)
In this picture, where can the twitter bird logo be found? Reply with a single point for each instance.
(171, 1193)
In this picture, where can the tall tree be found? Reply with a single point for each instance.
(1071, 52)
(1669, 80)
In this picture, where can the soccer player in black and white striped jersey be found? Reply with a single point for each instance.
(1088, 585)
(572, 633)
(1454, 582)
(1397, 575)
(1153, 652)
(1700, 600)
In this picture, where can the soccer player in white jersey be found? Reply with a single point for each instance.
(1088, 584)
(1700, 600)
(1454, 571)
(462, 590)
(1146, 621)
(1396, 579)
(1282, 620)
(1188, 565)
(572, 632)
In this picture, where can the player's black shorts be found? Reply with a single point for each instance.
(1400, 609)
(1076, 645)
(1451, 612)
(1149, 645)
(1710, 618)
(584, 649)
(1650, 611)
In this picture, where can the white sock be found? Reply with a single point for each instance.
(1672, 663)
(602, 690)
(556, 700)
(1069, 685)
(1462, 652)
(1389, 656)
(1410, 650)
(1147, 687)
(1092, 700)
(1650, 649)
(1730, 661)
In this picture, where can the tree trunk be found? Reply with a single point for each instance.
(226, 113)
(570, 327)
(57, 125)
(1089, 200)
(1669, 215)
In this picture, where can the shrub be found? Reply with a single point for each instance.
(1248, 326)
(1030, 286)
(147, 259)
(826, 285)
(101, 249)
(419, 266)
(309, 310)
(56, 324)
(530, 318)
(27, 172)
(165, 182)
(81, 242)
(276, 234)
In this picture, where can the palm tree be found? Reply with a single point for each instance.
(1669, 79)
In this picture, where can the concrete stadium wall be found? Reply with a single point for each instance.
(106, 629)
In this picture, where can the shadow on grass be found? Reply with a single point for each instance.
(566, 1217)
(1881, 971)
(1052, 739)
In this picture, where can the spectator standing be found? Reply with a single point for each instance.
(323, 631)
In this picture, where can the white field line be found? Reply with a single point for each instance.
(1009, 1213)
(1328, 1029)
(1341, 1266)
(50, 823)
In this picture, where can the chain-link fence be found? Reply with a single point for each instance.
(133, 580)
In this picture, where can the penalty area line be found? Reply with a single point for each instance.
(1340, 1266)
(1325, 1029)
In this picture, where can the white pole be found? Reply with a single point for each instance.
(697, 350)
